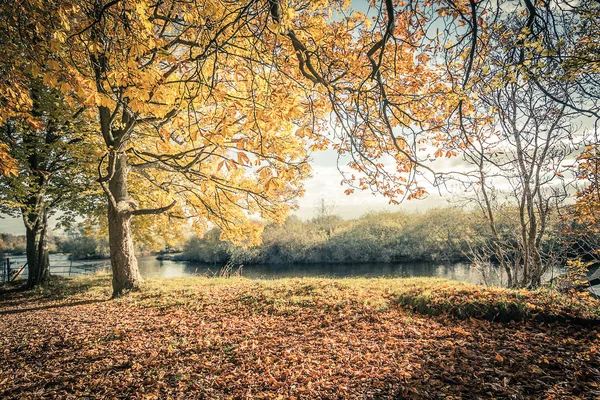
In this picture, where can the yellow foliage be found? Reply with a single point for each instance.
(8, 165)
(216, 106)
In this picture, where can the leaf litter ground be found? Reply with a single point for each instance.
(302, 338)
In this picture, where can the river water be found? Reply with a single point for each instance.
(151, 267)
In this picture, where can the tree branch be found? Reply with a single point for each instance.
(154, 211)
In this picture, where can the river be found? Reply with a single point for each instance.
(152, 267)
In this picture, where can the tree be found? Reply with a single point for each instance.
(325, 219)
(587, 205)
(582, 220)
(51, 150)
(216, 103)
(547, 49)
(387, 91)
(517, 142)
(565, 35)
(554, 43)
(188, 102)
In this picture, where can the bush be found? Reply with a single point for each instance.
(438, 235)
(465, 301)
(208, 249)
(83, 247)
(12, 244)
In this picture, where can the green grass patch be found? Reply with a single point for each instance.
(464, 301)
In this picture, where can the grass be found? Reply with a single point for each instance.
(429, 296)
(296, 338)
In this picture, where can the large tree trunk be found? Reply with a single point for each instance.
(126, 275)
(38, 261)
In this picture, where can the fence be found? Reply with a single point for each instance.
(11, 269)
(77, 268)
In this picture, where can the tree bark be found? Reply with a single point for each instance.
(126, 274)
(38, 260)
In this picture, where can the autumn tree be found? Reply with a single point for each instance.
(516, 140)
(582, 219)
(51, 152)
(518, 162)
(190, 102)
(397, 114)
(563, 36)
(554, 43)
(386, 85)
(587, 205)
(215, 103)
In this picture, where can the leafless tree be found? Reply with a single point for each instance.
(518, 150)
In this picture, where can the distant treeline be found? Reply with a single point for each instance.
(443, 234)
(12, 244)
(81, 245)
(16, 244)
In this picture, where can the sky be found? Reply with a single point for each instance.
(324, 184)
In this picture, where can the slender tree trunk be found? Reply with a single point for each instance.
(126, 275)
(489, 215)
(38, 260)
(538, 269)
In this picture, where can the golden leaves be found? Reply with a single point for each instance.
(243, 159)
(8, 166)
(587, 200)
(232, 122)
(293, 338)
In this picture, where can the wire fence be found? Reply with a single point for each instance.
(10, 269)
(74, 268)
(13, 269)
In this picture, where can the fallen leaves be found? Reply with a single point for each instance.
(224, 339)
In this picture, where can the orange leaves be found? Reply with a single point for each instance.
(50, 79)
(243, 159)
(296, 338)
(8, 166)
(162, 147)
(183, 105)
(587, 203)
(227, 164)
(417, 193)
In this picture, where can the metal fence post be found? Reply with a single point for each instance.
(7, 269)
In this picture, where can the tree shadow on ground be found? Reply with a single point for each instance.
(51, 306)
(58, 288)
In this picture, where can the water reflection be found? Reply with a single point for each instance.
(457, 271)
(151, 267)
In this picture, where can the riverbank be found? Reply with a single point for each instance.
(296, 338)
